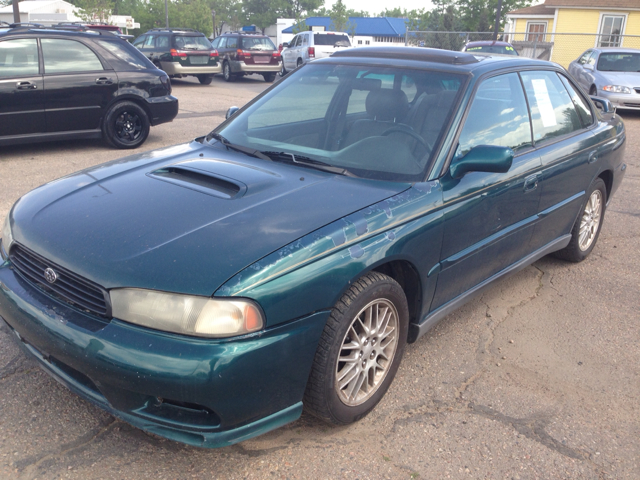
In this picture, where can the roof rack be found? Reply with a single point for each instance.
(242, 32)
(173, 29)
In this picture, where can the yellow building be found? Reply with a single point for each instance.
(561, 30)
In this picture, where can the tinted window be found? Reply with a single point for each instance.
(500, 49)
(232, 42)
(579, 102)
(552, 109)
(62, 56)
(138, 42)
(149, 41)
(619, 62)
(257, 43)
(215, 42)
(19, 58)
(498, 116)
(162, 42)
(330, 39)
(191, 42)
(585, 56)
(128, 56)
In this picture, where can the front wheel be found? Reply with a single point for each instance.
(126, 125)
(359, 351)
(205, 79)
(586, 230)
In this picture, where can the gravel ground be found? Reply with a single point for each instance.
(537, 378)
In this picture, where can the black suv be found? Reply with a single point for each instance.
(57, 84)
(180, 52)
(244, 53)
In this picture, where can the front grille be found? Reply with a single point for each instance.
(68, 286)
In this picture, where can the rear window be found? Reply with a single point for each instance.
(330, 39)
(259, 43)
(191, 42)
(500, 49)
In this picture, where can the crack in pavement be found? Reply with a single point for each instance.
(12, 367)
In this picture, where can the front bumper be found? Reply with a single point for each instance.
(241, 67)
(208, 393)
(175, 68)
(629, 101)
(163, 109)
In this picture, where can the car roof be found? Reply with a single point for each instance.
(23, 29)
(487, 43)
(432, 58)
(616, 50)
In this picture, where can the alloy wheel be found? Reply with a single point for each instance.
(590, 220)
(128, 126)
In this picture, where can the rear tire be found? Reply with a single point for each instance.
(126, 125)
(283, 70)
(205, 79)
(299, 63)
(586, 230)
(359, 351)
(269, 77)
(226, 72)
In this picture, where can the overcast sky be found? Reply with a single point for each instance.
(376, 6)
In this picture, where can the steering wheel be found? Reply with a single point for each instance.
(406, 129)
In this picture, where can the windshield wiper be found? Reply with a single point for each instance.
(252, 152)
(309, 162)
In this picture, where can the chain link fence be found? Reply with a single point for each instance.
(561, 48)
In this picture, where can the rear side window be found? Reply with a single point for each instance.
(329, 39)
(581, 105)
(19, 58)
(128, 57)
(162, 42)
(232, 42)
(63, 56)
(552, 109)
(498, 116)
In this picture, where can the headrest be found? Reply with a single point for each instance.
(386, 105)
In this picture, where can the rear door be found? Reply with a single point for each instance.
(78, 85)
(489, 217)
(21, 92)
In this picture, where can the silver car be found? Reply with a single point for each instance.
(611, 73)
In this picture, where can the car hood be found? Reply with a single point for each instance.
(626, 79)
(183, 219)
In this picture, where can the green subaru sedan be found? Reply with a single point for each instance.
(212, 291)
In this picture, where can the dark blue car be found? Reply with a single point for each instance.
(208, 292)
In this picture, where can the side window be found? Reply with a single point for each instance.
(138, 42)
(585, 56)
(232, 42)
(149, 42)
(215, 43)
(498, 116)
(584, 112)
(296, 41)
(223, 41)
(552, 109)
(19, 58)
(592, 58)
(305, 40)
(62, 56)
(162, 42)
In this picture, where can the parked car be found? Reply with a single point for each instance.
(284, 260)
(246, 53)
(181, 52)
(492, 47)
(84, 27)
(307, 46)
(611, 73)
(58, 84)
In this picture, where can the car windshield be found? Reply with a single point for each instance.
(500, 49)
(260, 43)
(375, 122)
(190, 42)
(331, 39)
(619, 62)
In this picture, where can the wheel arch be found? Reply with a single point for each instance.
(127, 97)
(406, 274)
(607, 178)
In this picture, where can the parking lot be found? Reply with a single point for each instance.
(537, 378)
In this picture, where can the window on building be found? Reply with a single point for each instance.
(536, 32)
(359, 42)
(611, 27)
(367, 42)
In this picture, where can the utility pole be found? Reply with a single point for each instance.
(166, 13)
(213, 16)
(16, 12)
(496, 28)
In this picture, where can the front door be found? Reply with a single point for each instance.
(77, 86)
(489, 217)
(21, 92)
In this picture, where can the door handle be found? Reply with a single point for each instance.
(26, 86)
(531, 182)
(593, 156)
(104, 81)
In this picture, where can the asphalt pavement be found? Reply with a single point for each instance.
(537, 378)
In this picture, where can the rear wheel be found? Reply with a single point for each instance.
(205, 79)
(126, 125)
(283, 70)
(269, 77)
(586, 230)
(298, 63)
(359, 351)
(226, 72)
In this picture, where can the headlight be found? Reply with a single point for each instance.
(7, 237)
(186, 314)
(616, 89)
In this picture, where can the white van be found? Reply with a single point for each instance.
(307, 46)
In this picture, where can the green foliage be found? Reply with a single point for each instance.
(95, 10)
(229, 14)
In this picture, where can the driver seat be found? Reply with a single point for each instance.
(385, 108)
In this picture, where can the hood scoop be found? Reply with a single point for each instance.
(200, 180)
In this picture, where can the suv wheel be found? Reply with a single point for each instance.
(126, 125)
(226, 72)
(205, 79)
(298, 63)
(269, 77)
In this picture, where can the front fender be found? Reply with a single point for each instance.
(312, 273)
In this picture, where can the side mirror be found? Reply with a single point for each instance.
(231, 111)
(603, 104)
(483, 158)
(285, 45)
(588, 66)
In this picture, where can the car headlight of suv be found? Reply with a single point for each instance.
(186, 314)
(7, 238)
(616, 89)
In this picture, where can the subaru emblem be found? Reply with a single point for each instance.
(50, 275)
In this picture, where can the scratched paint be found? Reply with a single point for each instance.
(377, 222)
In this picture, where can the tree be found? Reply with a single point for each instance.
(229, 13)
(95, 10)
(339, 17)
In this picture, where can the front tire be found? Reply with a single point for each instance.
(586, 230)
(126, 125)
(359, 351)
(205, 79)
(226, 72)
